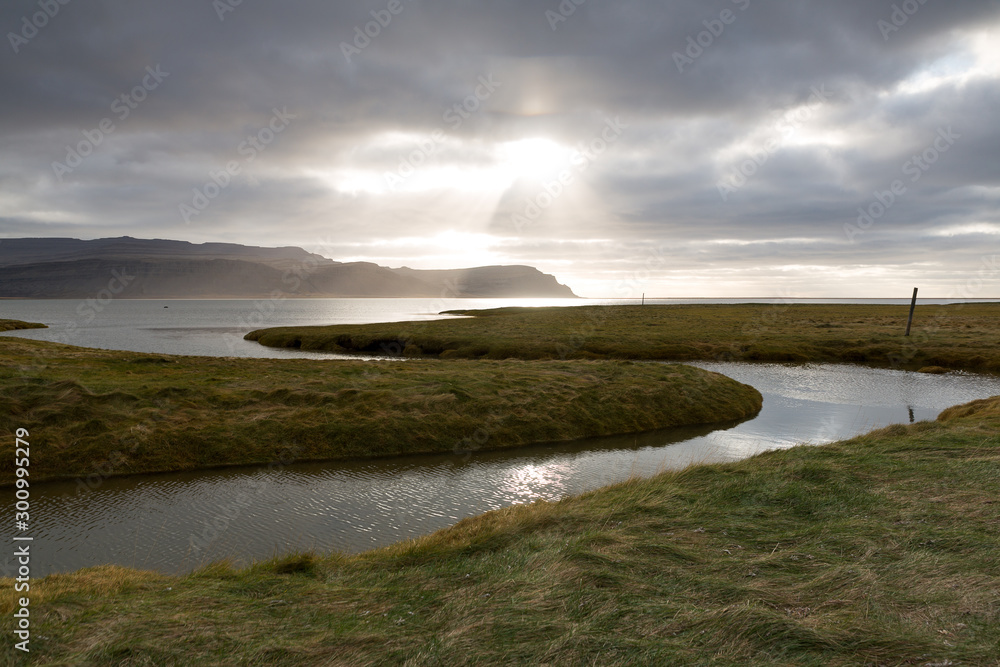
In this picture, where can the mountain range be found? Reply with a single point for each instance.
(64, 268)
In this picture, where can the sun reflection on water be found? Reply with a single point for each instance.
(532, 481)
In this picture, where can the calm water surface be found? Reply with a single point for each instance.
(176, 522)
(216, 327)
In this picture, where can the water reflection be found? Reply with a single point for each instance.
(531, 481)
(178, 521)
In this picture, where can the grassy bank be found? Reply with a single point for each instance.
(14, 325)
(97, 412)
(878, 550)
(953, 337)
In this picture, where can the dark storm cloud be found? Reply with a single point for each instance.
(695, 113)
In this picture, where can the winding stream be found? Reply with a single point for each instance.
(176, 522)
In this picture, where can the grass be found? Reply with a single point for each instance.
(880, 550)
(14, 325)
(958, 337)
(98, 412)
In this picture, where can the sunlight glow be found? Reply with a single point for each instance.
(801, 125)
(478, 248)
(455, 248)
(972, 228)
(981, 59)
(795, 240)
(533, 158)
(402, 163)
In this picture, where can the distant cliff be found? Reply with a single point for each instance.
(61, 268)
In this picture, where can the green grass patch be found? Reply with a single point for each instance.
(880, 550)
(98, 412)
(961, 336)
(14, 325)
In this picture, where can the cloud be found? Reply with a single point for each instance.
(742, 110)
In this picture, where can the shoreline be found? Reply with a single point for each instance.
(18, 325)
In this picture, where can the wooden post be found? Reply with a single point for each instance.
(643, 298)
(913, 305)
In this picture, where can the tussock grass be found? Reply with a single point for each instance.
(961, 336)
(879, 550)
(102, 413)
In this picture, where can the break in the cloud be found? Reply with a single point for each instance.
(680, 148)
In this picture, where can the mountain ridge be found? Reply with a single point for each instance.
(126, 267)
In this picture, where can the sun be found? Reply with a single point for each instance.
(533, 158)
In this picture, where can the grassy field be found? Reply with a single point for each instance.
(14, 325)
(962, 337)
(96, 412)
(881, 550)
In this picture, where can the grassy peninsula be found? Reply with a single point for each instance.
(958, 337)
(14, 325)
(880, 550)
(100, 412)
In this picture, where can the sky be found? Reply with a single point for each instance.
(677, 148)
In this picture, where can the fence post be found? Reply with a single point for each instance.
(913, 305)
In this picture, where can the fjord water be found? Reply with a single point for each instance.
(207, 327)
(176, 522)
(216, 327)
